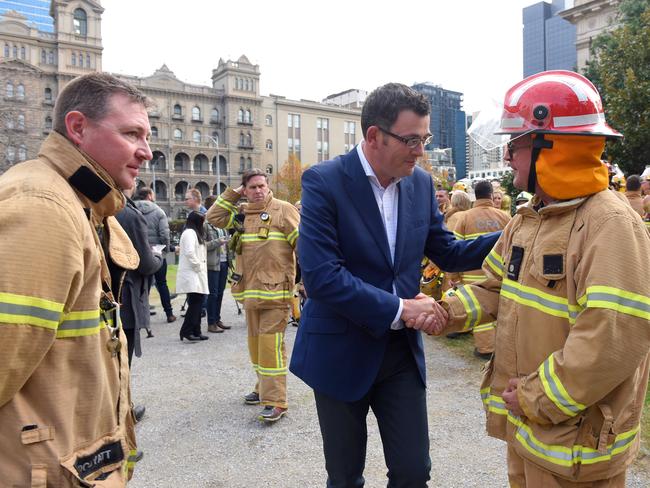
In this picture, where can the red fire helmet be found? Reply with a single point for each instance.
(555, 102)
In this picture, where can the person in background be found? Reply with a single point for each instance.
(215, 243)
(460, 202)
(506, 204)
(192, 275)
(497, 198)
(633, 193)
(158, 234)
(193, 201)
(442, 197)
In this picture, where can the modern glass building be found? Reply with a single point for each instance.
(549, 40)
(447, 123)
(36, 11)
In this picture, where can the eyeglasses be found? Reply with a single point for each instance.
(511, 147)
(411, 142)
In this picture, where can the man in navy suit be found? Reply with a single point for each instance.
(368, 218)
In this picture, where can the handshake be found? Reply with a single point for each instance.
(425, 314)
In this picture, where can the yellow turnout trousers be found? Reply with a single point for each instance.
(266, 347)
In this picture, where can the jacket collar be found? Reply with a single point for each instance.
(483, 202)
(555, 208)
(259, 206)
(94, 186)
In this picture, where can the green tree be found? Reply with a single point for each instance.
(288, 182)
(620, 69)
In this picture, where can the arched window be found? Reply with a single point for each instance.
(50, 57)
(15, 51)
(47, 93)
(196, 136)
(269, 169)
(178, 134)
(249, 140)
(9, 122)
(11, 154)
(154, 131)
(48, 122)
(215, 136)
(7, 50)
(196, 113)
(20, 91)
(43, 56)
(241, 164)
(22, 52)
(21, 121)
(247, 117)
(249, 163)
(22, 152)
(73, 59)
(242, 139)
(240, 115)
(214, 116)
(87, 60)
(269, 144)
(10, 89)
(268, 120)
(80, 22)
(246, 84)
(178, 111)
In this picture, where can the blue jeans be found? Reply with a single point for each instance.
(163, 290)
(213, 287)
(223, 275)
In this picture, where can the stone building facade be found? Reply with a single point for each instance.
(203, 137)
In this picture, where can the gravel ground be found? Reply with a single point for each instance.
(197, 433)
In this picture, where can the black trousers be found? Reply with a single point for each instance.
(192, 323)
(398, 400)
(130, 342)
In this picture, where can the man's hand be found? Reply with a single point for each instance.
(423, 313)
(510, 397)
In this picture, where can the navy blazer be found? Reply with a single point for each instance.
(348, 272)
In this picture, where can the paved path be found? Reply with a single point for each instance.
(197, 433)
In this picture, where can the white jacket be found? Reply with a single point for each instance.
(192, 276)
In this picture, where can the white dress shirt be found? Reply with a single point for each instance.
(388, 203)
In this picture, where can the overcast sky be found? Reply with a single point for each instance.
(308, 49)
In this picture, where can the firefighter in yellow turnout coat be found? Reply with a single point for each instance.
(263, 280)
(481, 219)
(65, 409)
(567, 284)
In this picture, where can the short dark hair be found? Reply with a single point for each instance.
(250, 173)
(143, 193)
(90, 94)
(209, 201)
(483, 189)
(195, 222)
(384, 104)
(633, 183)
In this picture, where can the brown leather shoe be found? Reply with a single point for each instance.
(171, 318)
(214, 328)
(221, 326)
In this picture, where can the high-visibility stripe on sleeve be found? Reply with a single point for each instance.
(78, 324)
(570, 456)
(459, 236)
(495, 262)
(555, 390)
(229, 207)
(471, 237)
(622, 301)
(291, 238)
(263, 295)
(472, 278)
(471, 305)
(26, 310)
(539, 300)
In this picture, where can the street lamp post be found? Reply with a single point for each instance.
(153, 164)
(218, 163)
